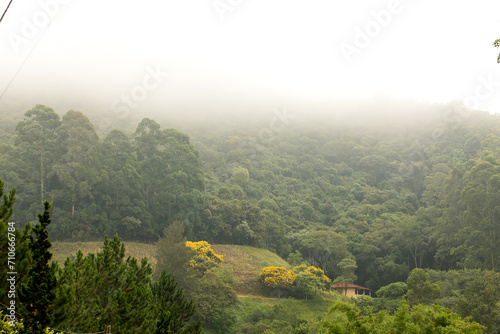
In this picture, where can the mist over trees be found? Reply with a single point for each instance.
(366, 194)
(391, 188)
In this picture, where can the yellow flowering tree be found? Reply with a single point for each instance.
(278, 279)
(205, 257)
(7, 328)
(313, 271)
(309, 279)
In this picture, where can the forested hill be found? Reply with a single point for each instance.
(393, 185)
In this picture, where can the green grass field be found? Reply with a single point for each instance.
(245, 263)
(62, 250)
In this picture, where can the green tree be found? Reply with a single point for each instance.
(480, 300)
(420, 319)
(107, 289)
(36, 142)
(20, 238)
(215, 302)
(420, 290)
(76, 173)
(309, 280)
(170, 172)
(393, 290)
(347, 268)
(468, 232)
(324, 248)
(173, 257)
(295, 259)
(8, 200)
(38, 293)
(118, 189)
(240, 176)
(175, 311)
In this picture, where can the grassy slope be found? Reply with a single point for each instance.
(242, 263)
(245, 263)
(61, 250)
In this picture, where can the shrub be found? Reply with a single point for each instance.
(277, 278)
(309, 279)
(205, 257)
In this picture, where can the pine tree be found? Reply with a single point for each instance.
(175, 311)
(7, 231)
(38, 293)
(107, 289)
(6, 209)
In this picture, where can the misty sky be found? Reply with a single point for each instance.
(251, 50)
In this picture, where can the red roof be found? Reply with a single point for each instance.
(348, 285)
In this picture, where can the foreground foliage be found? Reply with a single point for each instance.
(38, 293)
(406, 320)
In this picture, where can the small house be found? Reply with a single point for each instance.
(352, 290)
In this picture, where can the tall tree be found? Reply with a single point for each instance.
(420, 290)
(118, 189)
(170, 172)
(20, 238)
(107, 289)
(76, 174)
(36, 141)
(175, 311)
(173, 257)
(38, 293)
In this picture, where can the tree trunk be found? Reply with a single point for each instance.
(147, 198)
(41, 175)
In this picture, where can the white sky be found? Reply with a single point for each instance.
(434, 51)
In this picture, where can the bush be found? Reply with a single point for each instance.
(309, 280)
(279, 279)
(205, 257)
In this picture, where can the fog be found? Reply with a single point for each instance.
(204, 58)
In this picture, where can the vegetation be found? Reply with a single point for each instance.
(92, 292)
(205, 258)
(301, 280)
(419, 319)
(400, 202)
(277, 278)
(37, 294)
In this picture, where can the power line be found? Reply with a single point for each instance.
(6, 9)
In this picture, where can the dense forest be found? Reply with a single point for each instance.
(366, 192)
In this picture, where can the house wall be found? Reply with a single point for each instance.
(351, 292)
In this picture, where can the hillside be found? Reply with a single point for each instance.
(242, 263)
(241, 266)
(245, 263)
(62, 250)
